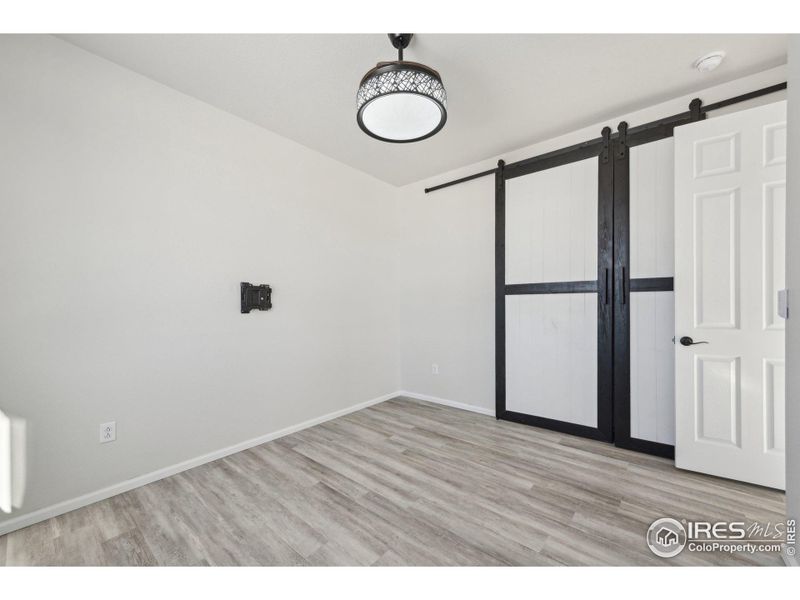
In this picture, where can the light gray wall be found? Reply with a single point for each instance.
(446, 261)
(793, 284)
(129, 213)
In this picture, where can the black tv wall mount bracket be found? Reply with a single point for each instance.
(255, 297)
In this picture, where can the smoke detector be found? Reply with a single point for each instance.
(710, 61)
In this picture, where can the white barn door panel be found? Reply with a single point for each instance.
(551, 356)
(551, 349)
(652, 209)
(652, 316)
(730, 208)
(652, 367)
(551, 225)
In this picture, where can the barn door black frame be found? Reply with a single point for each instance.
(624, 140)
(600, 150)
(613, 284)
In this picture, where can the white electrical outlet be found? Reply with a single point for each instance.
(108, 432)
(434, 369)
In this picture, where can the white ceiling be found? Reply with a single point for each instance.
(504, 91)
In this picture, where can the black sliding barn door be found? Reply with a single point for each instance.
(541, 317)
(554, 290)
(644, 325)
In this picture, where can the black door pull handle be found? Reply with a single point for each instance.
(687, 341)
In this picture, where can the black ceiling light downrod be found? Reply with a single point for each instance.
(401, 42)
(696, 112)
(401, 101)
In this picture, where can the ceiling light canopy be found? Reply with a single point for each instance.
(401, 101)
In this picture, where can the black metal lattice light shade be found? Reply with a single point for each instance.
(401, 101)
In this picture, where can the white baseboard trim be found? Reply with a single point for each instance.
(129, 484)
(118, 488)
(450, 403)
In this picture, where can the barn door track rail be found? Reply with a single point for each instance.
(635, 136)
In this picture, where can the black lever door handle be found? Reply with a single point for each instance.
(687, 341)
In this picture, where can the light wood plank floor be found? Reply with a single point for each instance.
(401, 483)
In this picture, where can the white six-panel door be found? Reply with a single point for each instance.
(730, 207)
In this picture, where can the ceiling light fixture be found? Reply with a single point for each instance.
(709, 62)
(401, 101)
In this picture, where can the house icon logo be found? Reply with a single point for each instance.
(666, 537)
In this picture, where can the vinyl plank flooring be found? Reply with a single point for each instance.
(403, 482)
(332, 554)
(128, 549)
(390, 559)
(446, 547)
(298, 465)
(34, 545)
(312, 505)
(81, 547)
